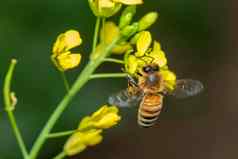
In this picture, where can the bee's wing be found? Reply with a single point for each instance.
(187, 88)
(125, 99)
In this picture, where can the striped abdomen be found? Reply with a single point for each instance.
(149, 110)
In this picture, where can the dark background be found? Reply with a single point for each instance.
(199, 38)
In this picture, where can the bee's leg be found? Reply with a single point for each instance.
(131, 81)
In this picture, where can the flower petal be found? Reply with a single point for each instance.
(109, 33)
(66, 41)
(107, 121)
(143, 43)
(74, 144)
(68, 61)
(72, 39)
(129, 2)
(92, 137)
(169, 78)
(105, 4)
(131, 64)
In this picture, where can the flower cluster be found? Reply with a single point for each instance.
(90, 129)
(62, 56)
(125, 29)
(144, 55)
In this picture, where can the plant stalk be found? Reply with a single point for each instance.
(80, 81)
(9, 108)
(108, 75)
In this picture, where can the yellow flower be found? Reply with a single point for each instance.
(90, 129)
(104, 118)
(108, 120)
(107, 8)
(62, 57)
(143, 43)
(80, 140)
(169, 79)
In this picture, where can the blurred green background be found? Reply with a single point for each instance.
(198, 37)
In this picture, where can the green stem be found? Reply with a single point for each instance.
(80, 81)
(96, 32)
(114, 60)
(9, 108)
(61, 134)
(66, 83)
(108, 75)
(103, 29)
(60, 156)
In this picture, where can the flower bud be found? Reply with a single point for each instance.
(130, 30)
(121, 48)
(146, 21)
(127, 16)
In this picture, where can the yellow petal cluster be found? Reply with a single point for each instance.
(90, 129)
(144, 54)
(62, 56)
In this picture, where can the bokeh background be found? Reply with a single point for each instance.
(200, 39)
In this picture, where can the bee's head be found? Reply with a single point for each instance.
(150, 74)
(149, 69)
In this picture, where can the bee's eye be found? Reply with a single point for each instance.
(156, 68)
(147, 69)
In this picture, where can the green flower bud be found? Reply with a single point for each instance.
(135, 38)
(146, 21)
(130, 30)
(127, 16)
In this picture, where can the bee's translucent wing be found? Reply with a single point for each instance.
(125, 98)
(187, 88)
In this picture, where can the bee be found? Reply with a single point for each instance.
(148, 92)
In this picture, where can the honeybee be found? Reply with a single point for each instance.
(148, 92)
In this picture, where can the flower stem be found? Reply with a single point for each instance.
(66, 83)
(103, 29)
(96, 32)
(79, 83)
(60, 155)
(113, 60)
(9, 108)
(61, 134)
(108, 75)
